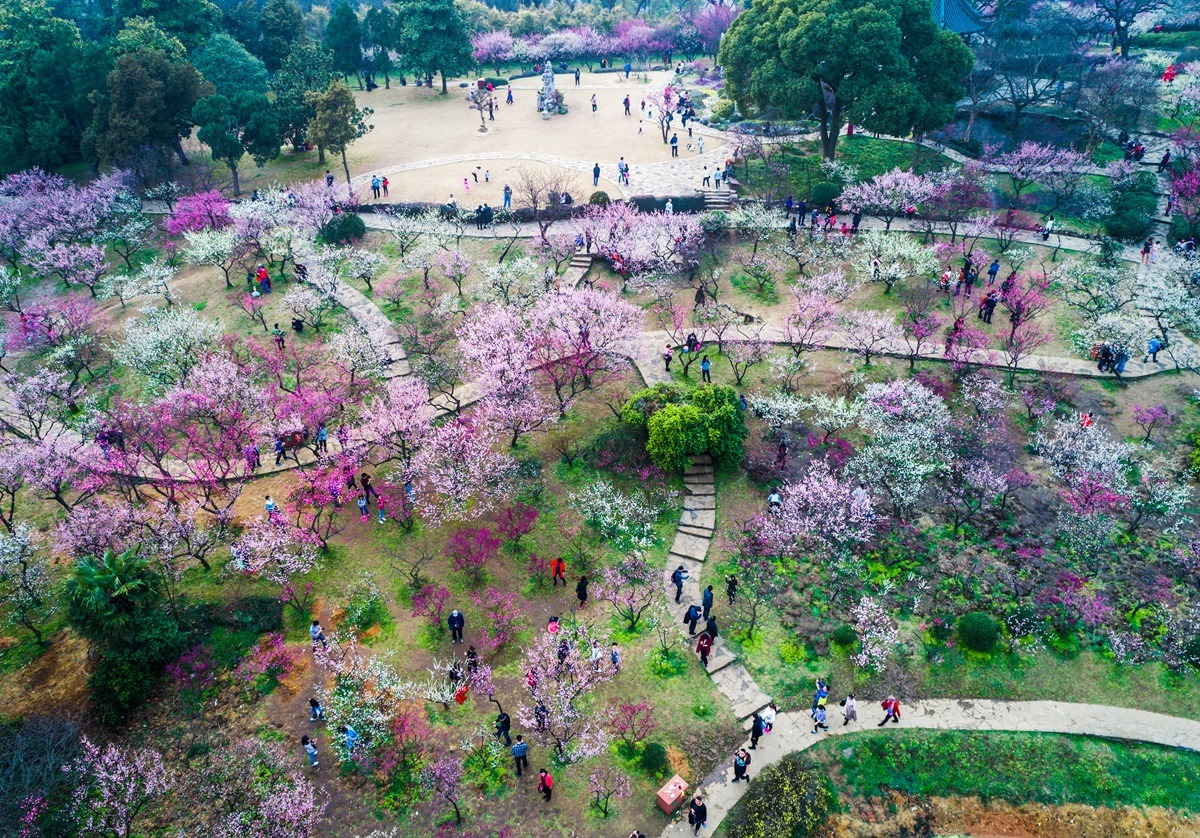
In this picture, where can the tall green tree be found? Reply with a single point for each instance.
(229, 67)
(338, 121)
(46, 72)
(191, 21)
(379, 38)
(887, 67)
(280, 26)
(343, 39)
(433, 38)
(233, 128)
(307, 69)
(144, 33)
(146, 101)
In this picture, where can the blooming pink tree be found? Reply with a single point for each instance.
(516, 521)
(869, 333)
(887, 196)
(1151, 417)
(116, 787)
(503, 617)
(559, 711)
(631, 723)
(1185, 190)
(397, 421)
(819, 510)
(470, 549)
(663, 101)
(492, 48)
(631, 587)
(444, 780)
(279, 552)
(200, 211)
(458, 474)
(1055, 167)
(605, 783)
(430, 602)
(711, 22)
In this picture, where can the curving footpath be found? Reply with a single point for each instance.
(793, 733)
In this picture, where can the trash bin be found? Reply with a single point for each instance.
(670, 796)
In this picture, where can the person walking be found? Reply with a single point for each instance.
(593, 111)
(581, 590)
(507, 192)
(768, 716)
(626, 103)
(322, 439)
(706, 370)
(503, 726)
(717, 178)
(368, 489)
(351, 735)
(508, 99)
(363, 505)
(849, 710)
(706, 178)
(891, 711)
(706, 601)
(277, 336)
(596, 175)
(691, 617)
(558, 570)
(456, 621)
(741, 765)
(316, 711)
(1152, 347)
(668, 354)
(318, 636)
(577, 77)
(545, 781)
(731, 584)
(674, 145)
(520, 750)
(700, 144)
(819, 717)
(328, 179)
(710, 626)
(781, 454)
(614, 656)
(698, 815)
(756, 731)
(595, 656)
(703, 647)
(384, 184)
(677, 578)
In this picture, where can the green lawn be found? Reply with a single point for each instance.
(1014, 767)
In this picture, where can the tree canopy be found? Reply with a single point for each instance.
(888, 68)
(433, 37)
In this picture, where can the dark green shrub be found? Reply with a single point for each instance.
(654, 761)
(978, 631)
(599, 198)
(844, 636)
(790, 799)
(343, 228)
(824, 194)
(496, 81)
(714, 222)
(128, 672)
(643, 404)
(259, 613)
(711, 423)
(1129, 222)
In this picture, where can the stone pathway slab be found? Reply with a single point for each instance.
(692, 546)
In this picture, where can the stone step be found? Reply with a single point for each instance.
(750, 703)
(698, 471)
(702, 459)
(692, 546)
(700, 519)
(702, 489)
(719, 658)
(698, 479)
(698, 532)
(700, 503)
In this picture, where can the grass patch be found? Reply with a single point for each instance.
(1014, 767)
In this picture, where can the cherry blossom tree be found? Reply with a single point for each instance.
(1151, 417)
(893, 258)
(116, 787)
(711, 22)
(560, 711)
(25, 581)
(1052, 166)
(199, 211)
(444, 780)
(633, 724)
(631, 587)
(458, 474)
(279, 552)
(503, 617)
(605, 783)
(812, 317)
(820, 511)
(877, 634)
(492, 48)
(868, 333)
(888, 196)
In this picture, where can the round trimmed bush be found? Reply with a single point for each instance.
(599, 198)
(824, 194)
(654, 760)
(978, 631)
(844, 636)
(722, 109)
(790, 799)
(342, 228)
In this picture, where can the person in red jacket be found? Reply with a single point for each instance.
(545, 783)
(891, 711)
(558, 570)
(704, 646)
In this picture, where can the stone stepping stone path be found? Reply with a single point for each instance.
(378, 327)
(580, 264)
(693, 537)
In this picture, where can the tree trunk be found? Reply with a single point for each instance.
(321, 155)
(345, 166)
(444, 91)
(237, 187)
(970, 125)
(179, 152)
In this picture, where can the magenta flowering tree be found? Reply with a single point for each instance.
(560, 711)
(1057, 168)
(492, 48)
(516, 521)
(1185, 189)
(663, 101)
(199, 211)
(397, 421)
(503, 617)
(430, 602)
(1152, 417)
(444, 780)
(632, 723)
(470, 549)
(116, 787)
(711, 22)
(605, 783)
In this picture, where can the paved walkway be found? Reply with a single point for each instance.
(793, 733)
